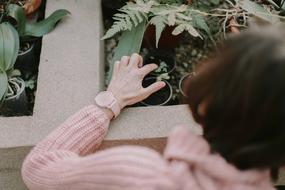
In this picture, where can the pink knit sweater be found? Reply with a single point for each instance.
(65, 160)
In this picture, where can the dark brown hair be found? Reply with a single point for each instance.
(243, 88)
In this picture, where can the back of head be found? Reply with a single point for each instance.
(243, 90)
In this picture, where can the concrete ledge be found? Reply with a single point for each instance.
(71, 73)
(151, 122)
(14, 131)
(71, 69)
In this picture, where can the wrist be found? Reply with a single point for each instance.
(107, 112)
(109, 103)
(119, 98)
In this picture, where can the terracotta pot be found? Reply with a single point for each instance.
(32, 6)
(167, 40)
(15, 105)
(159, 98)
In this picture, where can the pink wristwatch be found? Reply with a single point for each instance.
(106, 99)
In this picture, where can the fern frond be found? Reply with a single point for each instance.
(159, 22)
(192, 31)
(125, 20)
(171, 19)
(188, 27)
(179, 29)
(199, 22)
(118, 26)
(134, 18)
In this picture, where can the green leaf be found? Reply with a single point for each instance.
(159, 22)
(273, 3)
(215, 2)
(171, 19)
(3, 85)
(129, 43)
(14, 73)
(256, 9)
(125, 21)
(283, 5)
(199, 22)
(17, 12)
(9, 46)
(188, 27)
(191, 30)
(43, 27)
(179, 29)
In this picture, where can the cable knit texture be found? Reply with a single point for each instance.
(65, 160)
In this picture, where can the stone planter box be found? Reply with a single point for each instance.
(71, 72)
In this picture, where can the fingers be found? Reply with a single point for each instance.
(125, 60)
(147, 69)
(154, 88)
(135, 61)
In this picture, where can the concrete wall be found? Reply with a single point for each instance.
(71, 73)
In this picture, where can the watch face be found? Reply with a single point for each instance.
(104, 99)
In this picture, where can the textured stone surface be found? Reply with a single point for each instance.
(70, 70)
(14, 131)
(70, 74)
(150, 122)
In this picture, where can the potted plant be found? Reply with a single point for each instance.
(210, 20)
(29, 32)
(135, 17)
(12, 88)
(16, 30)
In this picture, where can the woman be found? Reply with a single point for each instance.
(239, 99)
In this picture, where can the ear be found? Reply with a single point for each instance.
(202, 108)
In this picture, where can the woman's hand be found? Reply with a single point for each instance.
(126, 82)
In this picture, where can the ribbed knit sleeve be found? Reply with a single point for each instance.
(65, 160)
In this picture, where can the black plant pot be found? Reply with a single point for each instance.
(27, 61)
(159, 98)
(15, 105)
(182, 82)
(160, 57)
(110, 7)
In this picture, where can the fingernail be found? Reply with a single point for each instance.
(125, 57)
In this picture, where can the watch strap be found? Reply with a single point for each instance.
(115, 107)
(112, 104)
